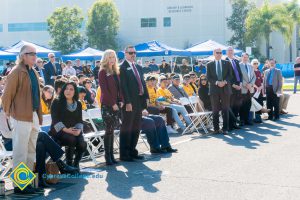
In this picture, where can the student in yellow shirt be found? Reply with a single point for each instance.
(46, 99)
(194, 78)
(81, 96)
(98, 96)
(186, 85)
(177, 108)
(155, 107)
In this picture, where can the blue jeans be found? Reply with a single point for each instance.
(180, 109)
(296, 80)
(156, 132)
(46, 145)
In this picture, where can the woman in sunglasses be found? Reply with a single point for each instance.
(203, 92)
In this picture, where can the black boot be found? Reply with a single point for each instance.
(111, 140)
(107, 149)
(42, 182)
(65, 169)
(257, 118)
(69, 155)
(78, 156)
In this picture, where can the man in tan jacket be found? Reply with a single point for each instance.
(21, 102)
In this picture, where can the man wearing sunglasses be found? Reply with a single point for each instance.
(219, 76)
(52, 70)
(136, 99)
(21, 102)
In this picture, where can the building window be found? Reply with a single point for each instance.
(148, 22)
(167, 21)
(1, 27)
(16, 27)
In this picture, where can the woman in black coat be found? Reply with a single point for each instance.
(203, 92)
(66, 127)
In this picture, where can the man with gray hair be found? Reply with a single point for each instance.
(52, 70)
(21, 102)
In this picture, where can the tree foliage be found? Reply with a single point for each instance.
(102, 25)
(236, 22)
(64, 28)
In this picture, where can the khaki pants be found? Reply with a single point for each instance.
(24, 141)
(283, 102)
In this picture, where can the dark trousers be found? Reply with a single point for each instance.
(245, 108)
(260, 100)
(272, 103)
(156, 132)
(46, 145)
(235, 105)
(129, 132)
(220, 102)
(168, 111)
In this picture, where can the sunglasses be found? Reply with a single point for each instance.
(131, 53)
(31, 53)
(218, 52)
(52, 57)
(39, 61)
(255, 63)
(88, 82)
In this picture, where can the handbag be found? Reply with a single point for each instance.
(52, 169)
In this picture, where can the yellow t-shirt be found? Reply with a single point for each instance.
(84, 107)
(152, 95)
(188, 89)
(45, 109)
(98, 96)
(164, 93)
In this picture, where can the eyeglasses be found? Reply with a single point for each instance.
(203, 79)
(255, 63)
(88, 82)
(31, 53)
(218, 52)
(52, 57)
(131, 53)
(39, 61)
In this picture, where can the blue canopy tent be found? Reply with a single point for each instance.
(7, 56)
(85, 54)
(155, 48)
(206, 48)
(41, 50)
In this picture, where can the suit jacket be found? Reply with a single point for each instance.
(213, 78)
(246, 79)
(130, 86)
(276, 82)
(49, 71)
(178, 92)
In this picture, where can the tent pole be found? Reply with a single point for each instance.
(192, 63)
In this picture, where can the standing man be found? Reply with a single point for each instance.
(69, 70)
(236, 97)
(297, 74)
(39, 67)
(247, 89)
(136, 99)
(273, 89)
(154, 67)
(78, 67)
(21, 102)
(146, 68)
(219, 76)
(96, 71)
(52, 70)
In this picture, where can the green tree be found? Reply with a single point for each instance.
(236, 22)
(102, 25)
(265, 20)
(64, 27)
(292, 9)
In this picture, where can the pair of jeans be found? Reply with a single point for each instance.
(296, 81)
(156, 132)
(180, 109)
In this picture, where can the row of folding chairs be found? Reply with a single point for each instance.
(5, 160)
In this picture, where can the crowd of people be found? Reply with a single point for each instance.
(133, 97)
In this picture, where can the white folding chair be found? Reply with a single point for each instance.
(46, 123)
(208, 114)
(5, 157)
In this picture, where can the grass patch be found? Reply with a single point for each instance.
(290, 87)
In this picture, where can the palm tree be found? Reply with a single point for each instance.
(293, 10)
(265, 20)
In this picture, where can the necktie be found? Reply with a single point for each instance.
(54, 67)
(219, 72)
(247, 69)
(236, 71)
(137, 76)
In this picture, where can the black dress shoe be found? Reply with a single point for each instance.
(66, 169)
(216, 132)
(242, 123)
(225, 133)
(170, 150)
(138, 157)
(236, 127)
(42, 183)
(126, 159)
(157, 151)
(249, 123)
(27, 190)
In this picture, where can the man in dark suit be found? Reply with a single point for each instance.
(136, 99)
(40, 68)
(219, 76)
(273, 89)
(236, 97)
(52, 70)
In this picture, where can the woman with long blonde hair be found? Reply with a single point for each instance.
(111, 100)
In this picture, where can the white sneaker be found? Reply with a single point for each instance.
(171, 130)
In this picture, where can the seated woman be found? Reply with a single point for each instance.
(46, 99)
(156, 132)
(90, 93)
(66, 126)
(81, 96)
(203, 92)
